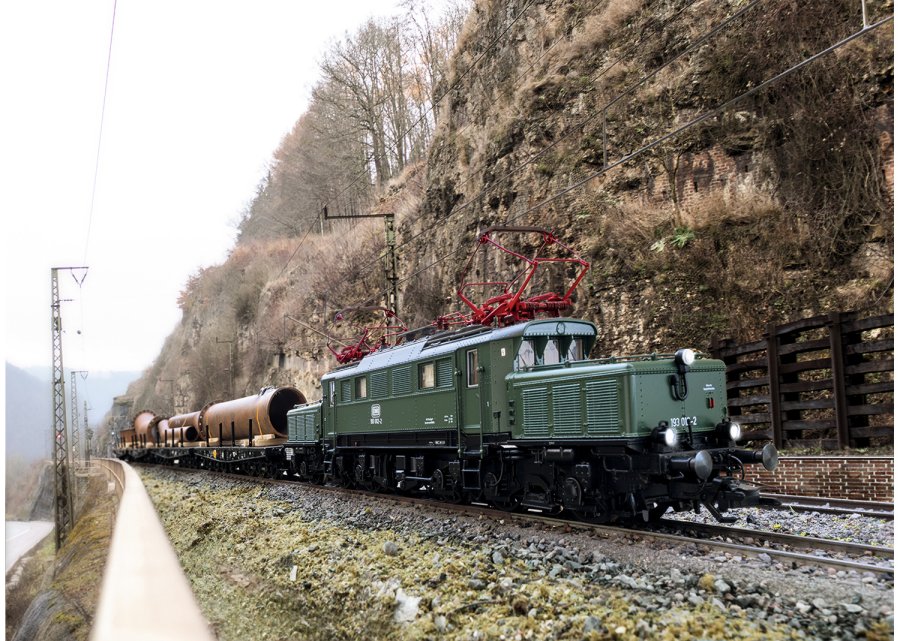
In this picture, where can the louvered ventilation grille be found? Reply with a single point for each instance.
(444, 373)
(401, 381)
(309, 425)
(534, 411)
(379, 381)
(602, 407)
(295, 428)
(567, 410)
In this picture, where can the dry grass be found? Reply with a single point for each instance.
(599, 29)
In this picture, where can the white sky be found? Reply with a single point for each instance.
(200, 94)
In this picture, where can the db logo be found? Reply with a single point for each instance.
(375, 415)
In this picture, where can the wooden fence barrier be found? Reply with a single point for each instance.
(825, 381)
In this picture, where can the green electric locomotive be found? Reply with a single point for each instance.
(515, 414)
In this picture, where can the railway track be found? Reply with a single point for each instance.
(873, 509)
(765, 540)
(807, 551)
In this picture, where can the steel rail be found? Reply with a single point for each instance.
(793, 540)
(874, 509)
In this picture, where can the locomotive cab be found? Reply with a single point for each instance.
(608, 426)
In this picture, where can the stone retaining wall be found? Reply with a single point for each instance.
(861, 478)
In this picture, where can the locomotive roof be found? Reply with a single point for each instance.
(444, 343)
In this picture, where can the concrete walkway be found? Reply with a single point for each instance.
(22, 536)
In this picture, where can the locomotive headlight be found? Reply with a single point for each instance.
(685, 357)
(728, 431)
(664, 435)
(670, 437)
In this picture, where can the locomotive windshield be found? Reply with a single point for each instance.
(549, 351)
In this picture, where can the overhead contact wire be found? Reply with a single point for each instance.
(109, 51)
(707, 115)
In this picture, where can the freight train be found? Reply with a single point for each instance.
(497, 405)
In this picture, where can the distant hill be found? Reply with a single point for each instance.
(29, 412)
(29, 415)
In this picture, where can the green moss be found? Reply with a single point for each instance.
(265, 577)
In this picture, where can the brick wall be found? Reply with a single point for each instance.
(861, 478)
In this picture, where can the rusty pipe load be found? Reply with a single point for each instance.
(141, 421)
(263, 415)
(126, 438)
(185, 420)
(187, 426)
(155, 429)
(174, 436)
(146, 427)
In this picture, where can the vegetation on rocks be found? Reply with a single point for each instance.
(275, 562)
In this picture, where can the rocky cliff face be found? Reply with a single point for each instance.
(774, 207)
(622, 125)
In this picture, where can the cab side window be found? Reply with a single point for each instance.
(426, 375)
(472, 367)
(525, 357)
(576, 350)
(361, 388)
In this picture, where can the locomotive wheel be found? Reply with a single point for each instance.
(582, 515)
(508, 502)
(571, 493)
(360, 481)
(437, 483)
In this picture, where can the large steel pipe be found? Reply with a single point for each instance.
(186, 428)
(185, 420)
(172, 437)
(146, 427)
(263, 415)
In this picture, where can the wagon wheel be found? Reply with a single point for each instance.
(362, 480)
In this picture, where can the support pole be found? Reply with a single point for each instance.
(73, 454)
(86, 452)
(62, 467)
(230, 363)
(390, 264)
(76, 455)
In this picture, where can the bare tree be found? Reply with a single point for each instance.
(371, 115)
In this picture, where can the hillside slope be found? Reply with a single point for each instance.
(573, 115)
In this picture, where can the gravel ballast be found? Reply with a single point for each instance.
(286, 561)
